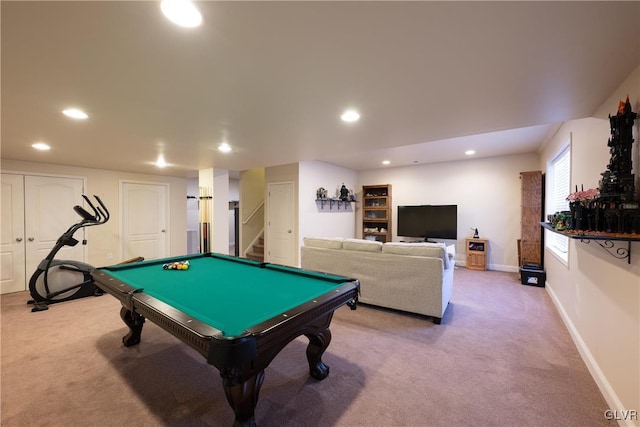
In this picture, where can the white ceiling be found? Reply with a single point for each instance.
(430, 79)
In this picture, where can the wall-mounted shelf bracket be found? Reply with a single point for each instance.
(610, 246)
(333, 202)
(606, 242)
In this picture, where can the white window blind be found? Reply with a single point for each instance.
(560, 171)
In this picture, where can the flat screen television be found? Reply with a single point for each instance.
(428, 221)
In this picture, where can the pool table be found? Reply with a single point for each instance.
(236, 312)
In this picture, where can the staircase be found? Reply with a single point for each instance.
(257, 251)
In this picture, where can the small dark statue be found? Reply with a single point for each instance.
(344, 193)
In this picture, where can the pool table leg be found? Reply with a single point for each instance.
(135, 322)
(243, 397)
(318, 342)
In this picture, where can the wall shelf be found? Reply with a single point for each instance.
(332, 202)
(607, 241)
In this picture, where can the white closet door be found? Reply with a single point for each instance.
(144, 220)
(49, 203)
(12, 268)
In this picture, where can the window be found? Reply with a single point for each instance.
(558, 188)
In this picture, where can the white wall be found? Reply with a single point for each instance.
(221, 211)
(105, 239)
(597, 295)
(316, 220)
(487, 192)
(193, 219)
(192, 204)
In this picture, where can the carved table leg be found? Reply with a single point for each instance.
(243, 397)
(135, 322)
(318, 343)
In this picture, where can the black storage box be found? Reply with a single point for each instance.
(533, 275)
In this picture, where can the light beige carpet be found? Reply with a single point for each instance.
(501, 357)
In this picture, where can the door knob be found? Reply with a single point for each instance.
(162, 231)
(289, 231)
(19, 239)
(31, 239)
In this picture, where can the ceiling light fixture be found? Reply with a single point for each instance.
(75, 113)
(386, 162)
(41, 146)
(224, 147)
(470, 152)
(350, 116)
(181, 12)
(161, 163)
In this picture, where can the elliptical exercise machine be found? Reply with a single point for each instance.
(63, 280)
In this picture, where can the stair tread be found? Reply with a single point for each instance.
(255, 255)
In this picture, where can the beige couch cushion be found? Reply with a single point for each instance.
(323, 242)
(434, 250)
(362, 245)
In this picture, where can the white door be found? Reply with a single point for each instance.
(144, 220)
(36, 210)
(281, 224)
(12, 274)
(49, 203)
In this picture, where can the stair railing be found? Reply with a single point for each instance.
(252, 214)
(260, 232)
(253, 242)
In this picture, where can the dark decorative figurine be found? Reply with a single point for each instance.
(615, 209)
(344, 193)
(321, 193)
(617, 183)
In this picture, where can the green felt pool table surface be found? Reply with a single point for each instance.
(229, 294)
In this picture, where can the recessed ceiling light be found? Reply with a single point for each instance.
(350, 116)
(75, 113)
(224, 147)
(41, 146)
(181, 12)
(470, 152)
(161, 162)
(386, 162)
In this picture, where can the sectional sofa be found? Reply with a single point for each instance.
(412, 277)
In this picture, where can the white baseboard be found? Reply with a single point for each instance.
(496, 267)
(506, 268)
(603, 384)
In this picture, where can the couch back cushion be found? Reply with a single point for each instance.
(434, 250)
(323, 242)
(362, 245)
